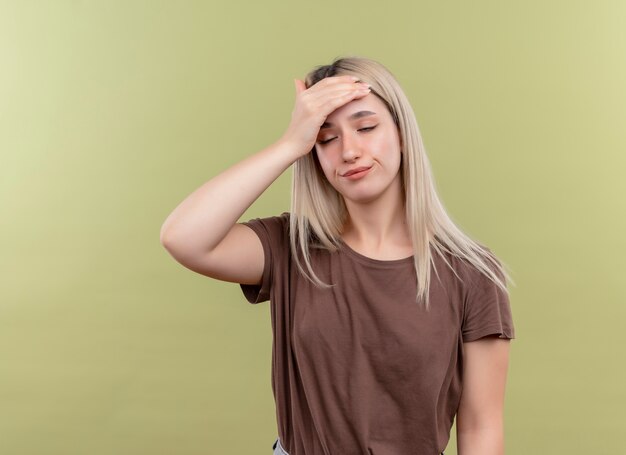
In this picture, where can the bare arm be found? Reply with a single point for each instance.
(202, 232)
(203, 219)
(480, 420)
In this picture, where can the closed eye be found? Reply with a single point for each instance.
(369, 128)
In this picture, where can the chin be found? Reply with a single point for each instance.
(367, 193)
(361, 197)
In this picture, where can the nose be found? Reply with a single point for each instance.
(351, 148)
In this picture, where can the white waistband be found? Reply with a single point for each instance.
(279, 450)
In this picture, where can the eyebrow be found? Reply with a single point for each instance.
(354, 116)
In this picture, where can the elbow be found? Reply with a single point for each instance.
(166, 238)
(170, 245)
(162, 237)
(178, 247)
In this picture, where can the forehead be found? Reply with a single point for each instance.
(367, 103)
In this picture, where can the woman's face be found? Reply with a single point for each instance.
(360, 134)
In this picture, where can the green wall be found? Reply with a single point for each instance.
(112, 112)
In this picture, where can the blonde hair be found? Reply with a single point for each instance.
(319, 213)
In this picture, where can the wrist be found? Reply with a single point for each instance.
(294, 150)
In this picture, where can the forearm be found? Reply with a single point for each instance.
(487, 441)
(203, 219)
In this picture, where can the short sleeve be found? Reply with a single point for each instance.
(487, 310)
(273, 234)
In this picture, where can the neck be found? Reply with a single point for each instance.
(379, 223)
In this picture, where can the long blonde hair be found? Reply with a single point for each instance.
(319, 213)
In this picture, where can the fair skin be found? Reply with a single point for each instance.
(376, 223)
(205, 236)
(377, 228)
(480, 419)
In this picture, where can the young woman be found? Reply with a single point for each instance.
(372, 353)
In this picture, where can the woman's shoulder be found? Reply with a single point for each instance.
(274, 228)
(458, 264)
(281, 219)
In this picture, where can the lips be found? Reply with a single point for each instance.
(355, 170)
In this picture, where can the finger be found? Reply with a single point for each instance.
(343, 92)
(332, 80)
(338, 90)
(343, 98)
(300, 86)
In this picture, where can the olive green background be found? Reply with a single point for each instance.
(112, 112)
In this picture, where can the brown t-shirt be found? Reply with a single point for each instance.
(360, 368)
